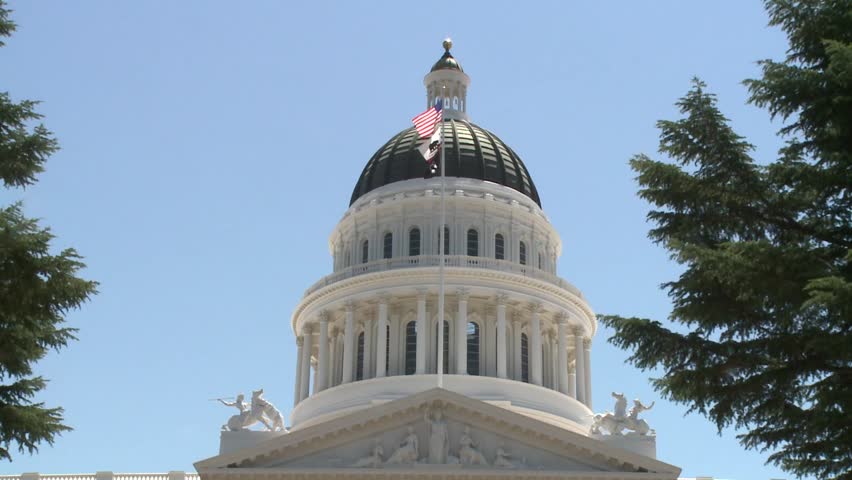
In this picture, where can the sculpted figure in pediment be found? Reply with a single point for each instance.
(503, 459)
(374, 460)
(407, 452)
(439, 442)
(468, 450)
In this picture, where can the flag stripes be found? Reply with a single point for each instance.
(426, 121)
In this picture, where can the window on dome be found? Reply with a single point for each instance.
(347, 259)
(414, 242)
(359, 364)
(365, 251)
(472, 348)
(525, 358)
(387, 349)
(540, 262)
(388, 246)
(446, 240)
(472, 243)
(522, 253)
(499, 247)
(411, 348)
(446, 347)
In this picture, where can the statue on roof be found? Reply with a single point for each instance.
(259, 410)
(614, 423)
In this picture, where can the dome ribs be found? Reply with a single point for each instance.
(471, 152)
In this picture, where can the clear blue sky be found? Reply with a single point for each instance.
(209, 147)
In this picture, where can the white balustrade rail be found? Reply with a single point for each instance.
(173, 475)
(458, 261)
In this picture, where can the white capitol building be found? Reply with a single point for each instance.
(514, 395)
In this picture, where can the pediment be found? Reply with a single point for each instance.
(435, 432)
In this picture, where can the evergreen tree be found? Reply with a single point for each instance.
(766, 291)
(36, 288)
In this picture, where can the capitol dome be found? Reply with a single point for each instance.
(514, 332)
(443, 343)
(470, 152)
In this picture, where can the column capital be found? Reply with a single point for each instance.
(535, 307)
(463, 294)
(501, 298)
(324, 316)
(383, 298)
(306, 330)
(421, 294)
(562, 317)
(587, 342)
(349, 306)
(313, 362)
(577, 330)
(300, 340)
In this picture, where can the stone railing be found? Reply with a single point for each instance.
(450, 261)
(174, 475)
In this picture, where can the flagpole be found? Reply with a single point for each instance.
(441, 254)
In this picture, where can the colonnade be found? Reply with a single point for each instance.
(515, 341)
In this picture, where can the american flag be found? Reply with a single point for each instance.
(426, 121)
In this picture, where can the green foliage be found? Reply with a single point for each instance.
(766, 291)
(37, 289)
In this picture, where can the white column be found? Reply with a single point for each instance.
(324, 369)
(297, 389)
(422, 333)
(315, 366)
(517, 334)
(461, 333)
(580, 364)
(488, 354)
(382, 339)
(368, 349)
(535, 345)
(348, 343)
(554, 361)
(501, 335)
(562, 365)
(572, 376)
(333, 357)
(305, 364)
(587, 350)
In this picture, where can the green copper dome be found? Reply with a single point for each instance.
(471, 152)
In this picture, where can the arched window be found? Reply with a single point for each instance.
(540, 262)
(525, 358)
(472, 243)
(446, 347)
(365, 251)
(499, 247)
(522, 253)
(347, 259)
(472, 348)
(411, 348)
(414, 242)
(446, 240)
(359, 364)
(388, 246)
